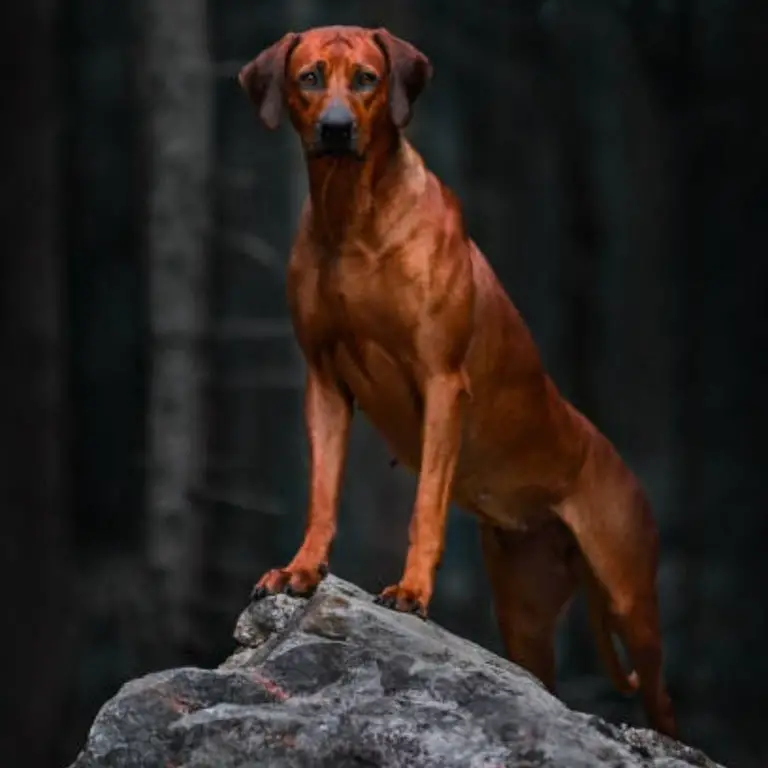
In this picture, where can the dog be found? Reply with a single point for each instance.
(398, 313)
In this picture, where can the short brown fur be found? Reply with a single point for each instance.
(397, 311)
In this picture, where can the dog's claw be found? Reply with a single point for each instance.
(401, 601)
(294, 583)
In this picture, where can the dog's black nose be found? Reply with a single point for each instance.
(336, 128)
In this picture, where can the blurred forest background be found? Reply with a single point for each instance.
(612, 160)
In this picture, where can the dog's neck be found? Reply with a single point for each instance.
(346, 193)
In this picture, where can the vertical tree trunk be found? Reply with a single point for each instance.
(633, 378)
(34, 567)
(626, 384)
(176, 89)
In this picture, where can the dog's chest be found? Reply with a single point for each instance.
(371, 349)
(363, 298)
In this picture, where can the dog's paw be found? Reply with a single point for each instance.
(295, 582)
(403, 599)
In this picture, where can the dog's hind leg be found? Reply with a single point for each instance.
(532, 577)
(616, 534)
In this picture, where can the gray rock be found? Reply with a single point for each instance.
(336, 682)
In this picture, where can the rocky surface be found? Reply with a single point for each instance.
(336, 682)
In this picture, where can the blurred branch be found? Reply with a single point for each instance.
(234, 498)
(255, 247)
(260, 378)
(256, 328)
(232, 329)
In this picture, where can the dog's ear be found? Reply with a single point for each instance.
(409, 72)
(263, 79)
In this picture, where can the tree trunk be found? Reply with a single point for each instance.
(34, 562)
(176, 91)
(623, 309)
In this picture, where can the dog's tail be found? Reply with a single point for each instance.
(598, 616)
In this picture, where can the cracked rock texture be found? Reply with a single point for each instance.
(337, 682)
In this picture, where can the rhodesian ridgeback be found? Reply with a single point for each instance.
(397, 312)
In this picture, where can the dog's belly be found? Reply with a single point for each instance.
(386, 391)
(500, 499)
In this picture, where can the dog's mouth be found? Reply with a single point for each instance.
(317, 150)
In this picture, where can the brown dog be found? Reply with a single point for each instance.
(396, 310)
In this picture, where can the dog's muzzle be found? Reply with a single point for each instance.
(336, 131)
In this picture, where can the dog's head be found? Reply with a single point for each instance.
(342, 86)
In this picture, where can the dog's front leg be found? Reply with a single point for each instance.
(327, 414)
(441, 438)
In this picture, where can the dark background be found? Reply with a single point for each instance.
(612, 160)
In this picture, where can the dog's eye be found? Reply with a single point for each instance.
(310, 79)
(364, 80)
